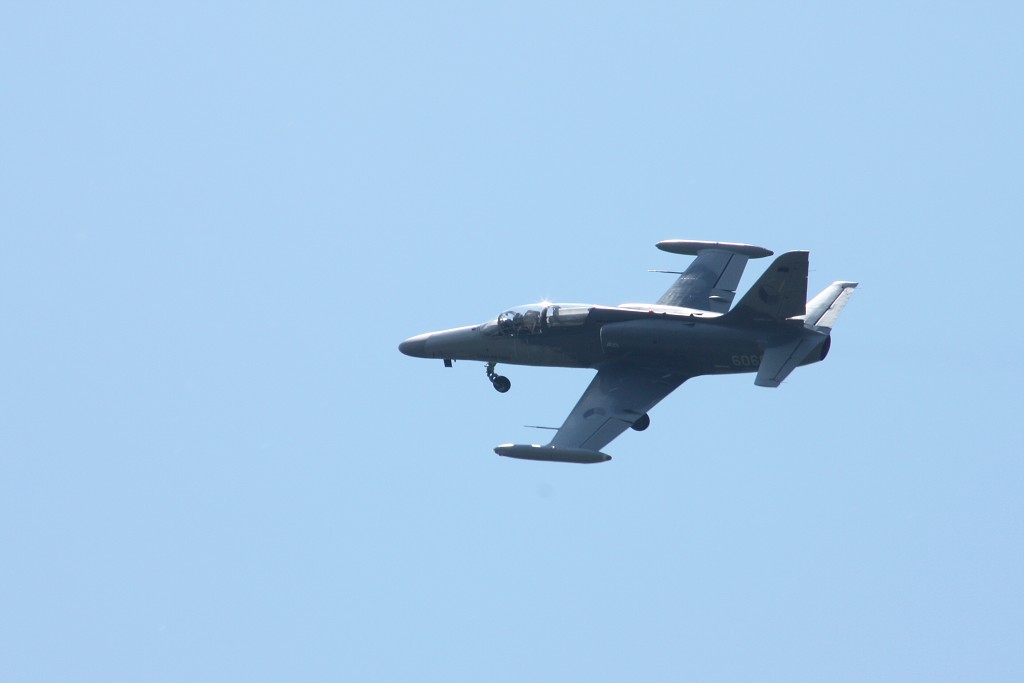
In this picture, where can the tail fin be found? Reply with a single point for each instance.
(779, 293)
(813, 345)
(823, 309)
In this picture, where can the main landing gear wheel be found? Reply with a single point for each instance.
(501, 384)
(643, 423)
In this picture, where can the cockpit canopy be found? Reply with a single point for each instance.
(537, 318)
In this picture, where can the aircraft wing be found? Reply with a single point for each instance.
(618, 396)
(709, 284)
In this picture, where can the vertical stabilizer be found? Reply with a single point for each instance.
(779, 293)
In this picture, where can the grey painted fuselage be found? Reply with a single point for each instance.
(683, 341)
(643, 352)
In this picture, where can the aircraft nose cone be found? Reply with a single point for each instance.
(415, 346)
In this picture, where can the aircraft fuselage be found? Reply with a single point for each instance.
(644, 352)
(577, 336)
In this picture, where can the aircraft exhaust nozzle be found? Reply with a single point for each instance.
(551, 453)
(825, 347)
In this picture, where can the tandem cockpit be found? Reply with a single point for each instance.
(537, 319)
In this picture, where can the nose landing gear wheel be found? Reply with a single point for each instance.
(501, 384)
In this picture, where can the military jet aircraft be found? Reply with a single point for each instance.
(642, 352)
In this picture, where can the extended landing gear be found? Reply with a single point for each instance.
(501, 384)
(641, 424)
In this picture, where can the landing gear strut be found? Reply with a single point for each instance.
(501, 384)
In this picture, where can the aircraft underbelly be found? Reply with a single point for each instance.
(558, 353)
(697, 349)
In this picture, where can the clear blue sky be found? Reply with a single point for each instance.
(218, 222)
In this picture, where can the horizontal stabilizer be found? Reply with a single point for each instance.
(778, 361)
(823, 309)
(551, 453)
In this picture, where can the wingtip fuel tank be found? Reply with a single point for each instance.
(551, 453)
